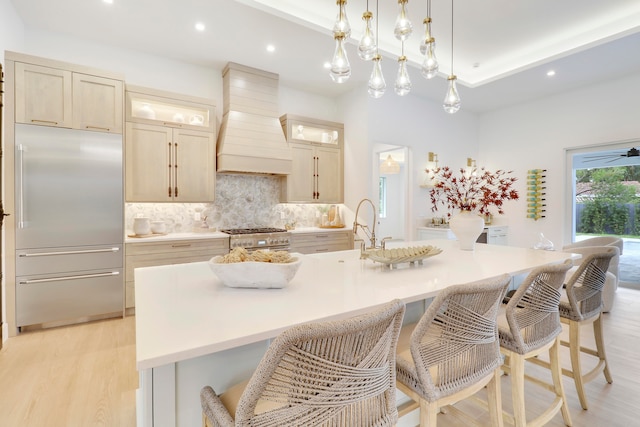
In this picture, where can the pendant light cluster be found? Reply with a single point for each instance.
(368, 51)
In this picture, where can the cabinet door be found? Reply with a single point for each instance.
(301, 181)
(43, 95)
(329, 175)
(97, 103)
(148, 163)
(194, 166)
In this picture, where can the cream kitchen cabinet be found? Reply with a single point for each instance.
(317, 161)
(170, 149)
(149, 254)
(50, 96)
(316, 242)
(164, 164)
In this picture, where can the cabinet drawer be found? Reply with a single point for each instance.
(334, 237)
(176, 247)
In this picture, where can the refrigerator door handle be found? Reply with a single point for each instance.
(87, 251)
(21, 149)
(58, 279)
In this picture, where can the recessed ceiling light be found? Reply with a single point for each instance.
(327, 65)
(271, 48)
(551, 73)
(108, 1)
(200, 26)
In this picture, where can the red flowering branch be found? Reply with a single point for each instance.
(476, 191)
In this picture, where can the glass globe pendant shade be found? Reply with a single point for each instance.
(403, 27)
(367, 48)
(403, 83)
(340, 67)
(452, 99)
(430, 65)
(342, 23)
(427, 36)
(377, 85)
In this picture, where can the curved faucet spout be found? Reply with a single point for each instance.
(372, 234)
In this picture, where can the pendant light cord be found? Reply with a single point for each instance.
(377, 21)
(452, 37)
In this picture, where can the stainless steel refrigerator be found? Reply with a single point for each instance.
(70, 231)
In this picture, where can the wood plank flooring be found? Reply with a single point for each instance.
(85, 375)
(81, 375)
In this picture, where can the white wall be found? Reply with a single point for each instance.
(534, 136)
(11, 28)
(423, 126)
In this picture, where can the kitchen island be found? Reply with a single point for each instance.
(192, 331)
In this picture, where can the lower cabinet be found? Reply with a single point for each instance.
(151, 254)
(317, 242)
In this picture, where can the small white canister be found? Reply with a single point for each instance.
(141, 226)
(158, 227)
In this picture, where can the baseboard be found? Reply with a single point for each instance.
(629, 285)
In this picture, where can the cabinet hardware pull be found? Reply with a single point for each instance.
(57, 279)
(44, 121)
(97, 127)
(169, 169)
(181, 245)
(172, 124)
(322, 236)
(322, 250)
(86, 251)
(175, 166)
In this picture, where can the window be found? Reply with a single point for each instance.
(383, 197)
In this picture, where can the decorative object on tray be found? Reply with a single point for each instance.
(473, 191)
(259, 269)
(399, 255)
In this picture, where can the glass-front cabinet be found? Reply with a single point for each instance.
(317, 152)
(170, 147)
(144, 107)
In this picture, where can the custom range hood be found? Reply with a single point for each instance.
(251, 139)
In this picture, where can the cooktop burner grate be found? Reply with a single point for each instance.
(253, 230)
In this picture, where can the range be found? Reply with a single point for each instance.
(275, 239)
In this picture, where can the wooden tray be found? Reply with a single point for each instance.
(332, 226)
(142, 236)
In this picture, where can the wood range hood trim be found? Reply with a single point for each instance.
(251, 139)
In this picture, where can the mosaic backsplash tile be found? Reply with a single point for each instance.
(241, 201)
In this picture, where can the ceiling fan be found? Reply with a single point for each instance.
(632, 152)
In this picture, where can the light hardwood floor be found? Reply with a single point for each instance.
(84, 376)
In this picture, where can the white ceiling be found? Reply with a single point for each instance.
(514, 43)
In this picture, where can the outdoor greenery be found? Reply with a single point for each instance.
(613, 206)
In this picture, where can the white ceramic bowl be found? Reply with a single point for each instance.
(253, 274)
(158, 227)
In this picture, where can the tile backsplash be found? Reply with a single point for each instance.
(241, 201)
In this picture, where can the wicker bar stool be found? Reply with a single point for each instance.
(530, 326)
(581, 304)
(337, 373)
(453, 352)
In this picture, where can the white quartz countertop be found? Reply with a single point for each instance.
(175, 236)
(184, 311)
(214, 235)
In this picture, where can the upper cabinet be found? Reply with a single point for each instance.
(156, 107)
(170, 151)
(61, 97)
(317, 167)
(97, 103)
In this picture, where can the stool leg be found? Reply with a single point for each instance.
(517, 389)
(556, 375)
(428, 414)
(597, 331)
(494, 398)
(574, 350)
